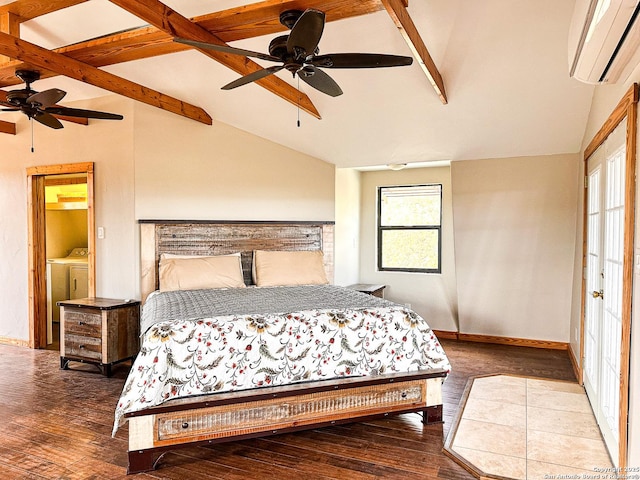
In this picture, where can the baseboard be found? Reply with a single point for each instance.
(518, 342)
(577, 370)
(14, 341)
(446, 334)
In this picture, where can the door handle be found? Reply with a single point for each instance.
(596, 294)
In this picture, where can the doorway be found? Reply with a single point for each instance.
(604, 279)
(37, 179)
(66, 246)
(607, 280)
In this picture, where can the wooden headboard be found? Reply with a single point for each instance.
(197, 237)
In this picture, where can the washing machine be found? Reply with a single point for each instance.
(67, 278)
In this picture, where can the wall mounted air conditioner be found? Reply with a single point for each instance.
(604, 40)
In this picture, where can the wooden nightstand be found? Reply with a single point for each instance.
(371, 289)
(101, 331)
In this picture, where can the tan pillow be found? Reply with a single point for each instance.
(288, 268)
(200, 272)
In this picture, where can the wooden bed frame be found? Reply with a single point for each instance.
(222, 417)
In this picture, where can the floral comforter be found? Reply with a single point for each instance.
(192, 353)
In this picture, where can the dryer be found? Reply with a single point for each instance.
(63, 274)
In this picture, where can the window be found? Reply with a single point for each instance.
(410, 228)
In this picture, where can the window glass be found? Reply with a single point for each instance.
(410, 206)
(409, 228)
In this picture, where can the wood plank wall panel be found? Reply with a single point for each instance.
(221, 238)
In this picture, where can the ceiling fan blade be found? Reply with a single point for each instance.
(48, 120)
(46, 98)
(252, 77)
(360, 60)
(306, 32)
(78, 112)
(227, 49)
(323, 82)
(9, 109)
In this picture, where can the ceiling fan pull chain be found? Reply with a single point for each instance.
(31, 122)
(298, 101)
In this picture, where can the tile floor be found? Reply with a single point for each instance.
(525, 428)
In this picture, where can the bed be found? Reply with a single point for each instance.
(230, 359)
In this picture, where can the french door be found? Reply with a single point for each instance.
(604, 280)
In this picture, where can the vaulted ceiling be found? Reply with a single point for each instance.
(489, 79)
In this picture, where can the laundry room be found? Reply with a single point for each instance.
(66, 245)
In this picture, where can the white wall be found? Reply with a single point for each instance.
(150, 165)
(514, 240)
(576, 290)
(13, 239)
(432, 296)
(109, 145)
(347, 228)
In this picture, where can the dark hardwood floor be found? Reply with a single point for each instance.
(56, 424)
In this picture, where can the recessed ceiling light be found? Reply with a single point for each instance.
(396, 166)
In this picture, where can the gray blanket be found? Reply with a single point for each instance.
(197, 304)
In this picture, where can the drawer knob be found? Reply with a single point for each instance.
(403, 394)
(185, 425)
(81, 323)
(81, 347)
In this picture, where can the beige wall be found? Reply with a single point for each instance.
(66, 229)
(219, 172)
(150, 165)
(514, 241)
(432, 296)
(347, 229)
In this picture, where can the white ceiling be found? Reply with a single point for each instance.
(504, 65)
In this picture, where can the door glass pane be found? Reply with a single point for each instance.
(612, 312)
(593, 305)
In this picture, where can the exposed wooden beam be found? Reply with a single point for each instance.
(401, 18)
(30, 9)
(55, 181)
(229, 25)
(262, 18)
(9, 23)
(43, 58)
(169, 21)
(7, 127)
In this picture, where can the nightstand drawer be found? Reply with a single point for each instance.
(82, 322)
(85, 347)
(369, 288)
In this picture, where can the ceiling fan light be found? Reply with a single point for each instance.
(396, 166)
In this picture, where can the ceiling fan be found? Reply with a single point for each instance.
(298, 52)
(41, 106)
